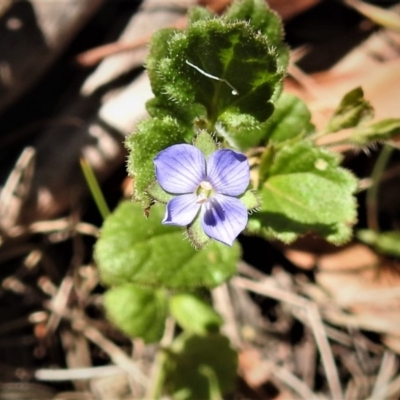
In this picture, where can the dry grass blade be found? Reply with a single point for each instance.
(294, 383)
(93, 56)
(223, 305)
(386, 18)
(59, 304)
(325, 351)
(113, 351)
(77, 373)
(58, 225)
(267, 288)
(388, 368)
(153, 389)
(118, 356)
(16, 188)
(393, 389)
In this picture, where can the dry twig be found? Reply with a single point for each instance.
(267, 288)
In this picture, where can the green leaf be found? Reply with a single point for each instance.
(197, 74)
(376, 132)
(150, 138)
(227, 51)
(384, 242)
(243, 131)
(157, 193)
(194, 315)
(157, 51)
(306, 191)
(212, 380)
(291, 119)
(204, 66)
(205, 143)
(352, 110)
(161, 106)
(199, 13)
(197, 235)
(266, 160)
(146, 252)
(262, 19)
(189, 360)
(250, 200)
(136, 311)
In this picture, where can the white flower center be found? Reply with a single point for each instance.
(203, 192)
(206, 185)
(202, 198)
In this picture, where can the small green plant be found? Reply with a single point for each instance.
(222, 139)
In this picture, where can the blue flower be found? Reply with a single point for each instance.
(209, 187)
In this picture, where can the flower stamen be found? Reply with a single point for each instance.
(206, 185)
(203, 192)
(202, 198)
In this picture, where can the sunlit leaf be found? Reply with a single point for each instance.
(262, 19)
(143, 251)
(306, 191)
(291, 119)
(202, 69)
(150, 138)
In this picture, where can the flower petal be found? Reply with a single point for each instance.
(180, 168)
(223, 218)
(181, 210)
(228, 172)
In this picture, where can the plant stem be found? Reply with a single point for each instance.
(155, 390)
(157, 376)
(94, 188)
(372, 192)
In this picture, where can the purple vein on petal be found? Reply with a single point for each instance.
(229, 172)
(180, 168)
(223, 218)
(181, 210)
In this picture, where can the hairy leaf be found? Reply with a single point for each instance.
(150, 138)
(202, 70)
(306, 190)
(262, 19)
(143, 251)
(379, 131)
